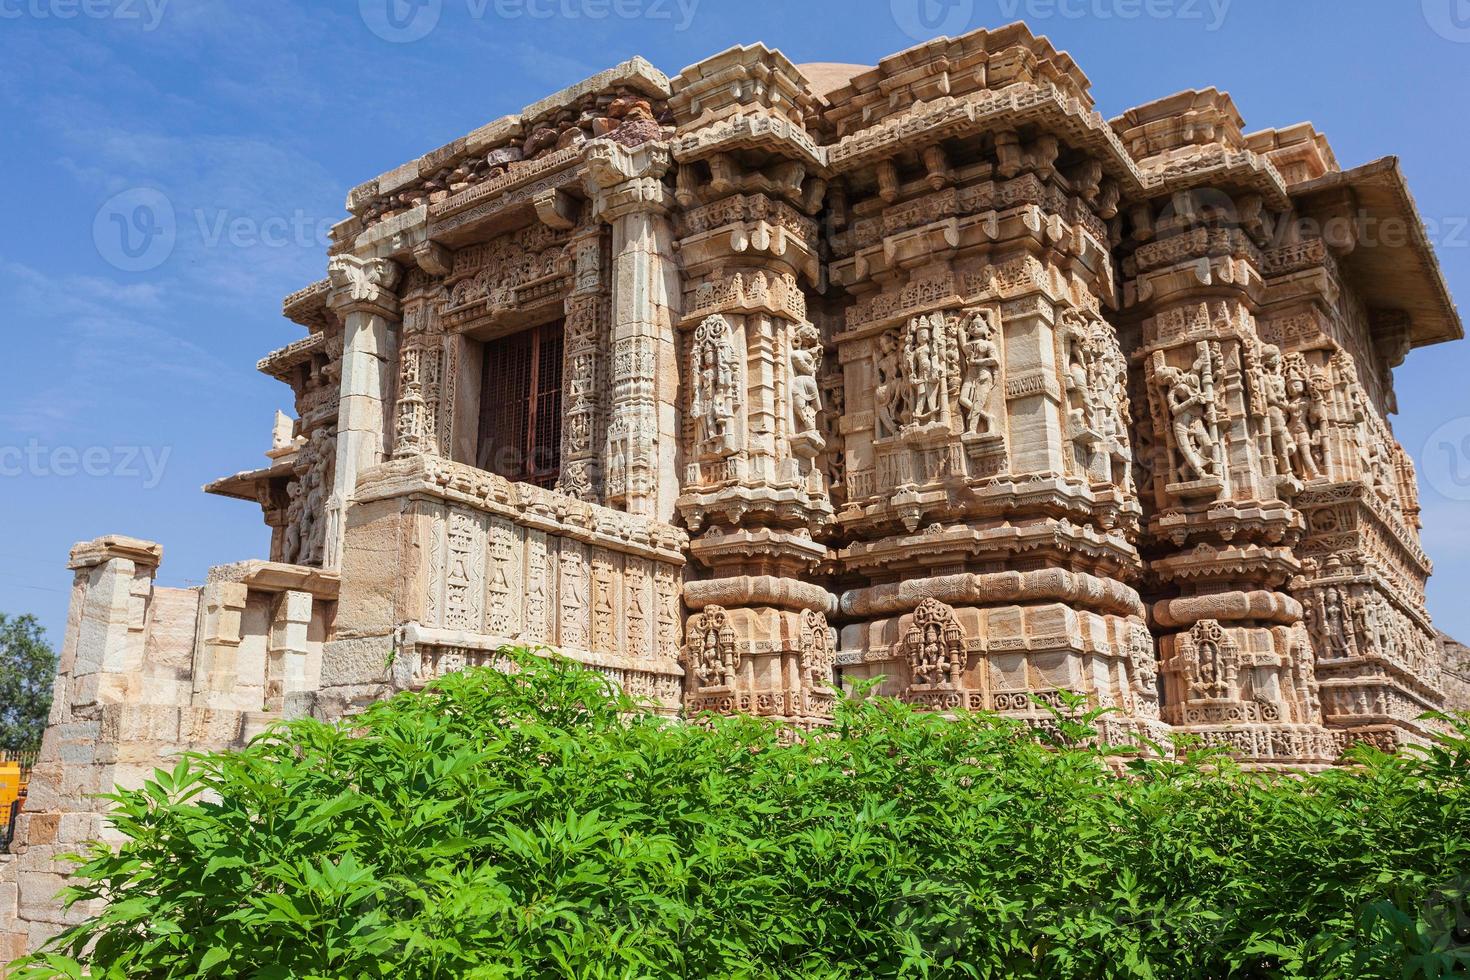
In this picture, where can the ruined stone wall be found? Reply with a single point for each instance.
(146, 673)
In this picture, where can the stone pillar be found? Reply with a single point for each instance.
(1236, 662)
(363, 295)
(114, 580)
(216, 667)
(584, 398)
(416, 410)
(628, 192)
(286, 664)
(101, 658)
(757, 639)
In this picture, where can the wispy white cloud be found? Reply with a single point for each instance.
(107, 343)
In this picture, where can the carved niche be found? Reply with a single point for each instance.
(936, 383)
(1189, 417)
(1210, 660)
(818, 657)
(1096, 382)
(304, 541)
(1219, 683)
(712, 657)
(715, 388)
(936, 652)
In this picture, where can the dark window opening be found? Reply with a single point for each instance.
(520, 406)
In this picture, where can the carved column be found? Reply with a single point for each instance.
(755, 493)
(363, 295)
(988, 463)
(1236, 662)
(1363, 567)
(627, 189)
(584, 389)
(419, 426)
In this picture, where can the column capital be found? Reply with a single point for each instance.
(623, 180)
(364, 285)
(98, 551)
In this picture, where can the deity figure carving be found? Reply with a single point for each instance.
(817, 654)
(1193, 413)
(1335, 625)
(1211, 661)
(927, 364)
(1082, 400)
(1277, 407)
(291, 542)
(1379, 470)
(1143, 660)
(304, 542)
(715, 374)
(712, 656)
(1304, 413)
(1097, 392)
(891, 395)
(1304, 671)
(806, 392)
(982, 365)
(1368, 623)
(935, 648)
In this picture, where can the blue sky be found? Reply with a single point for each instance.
(130, 379)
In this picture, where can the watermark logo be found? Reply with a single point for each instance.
(1210, 14)
(146, 13)
(139, 229)
(39, 461)
(924, 19)
(1450, 19)
(136, 231)
(294, 230)
(1209, 208)
(1446, 918)
(401, 21)
(404, 21)
(1446, 459)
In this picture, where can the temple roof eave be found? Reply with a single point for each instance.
(635, 74)
(1392, 272)
(246, 484)
(279, 363)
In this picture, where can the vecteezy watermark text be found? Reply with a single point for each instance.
(34, 459)
(146, 13)
(138, 229)
(404, 21)
(924, 19)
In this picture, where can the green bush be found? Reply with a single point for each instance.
(535, 825)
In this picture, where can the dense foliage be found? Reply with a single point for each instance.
(27, 672)
(527, 826)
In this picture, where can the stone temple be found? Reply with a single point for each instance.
(739, 383)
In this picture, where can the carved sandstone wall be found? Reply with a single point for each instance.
(922, 371)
